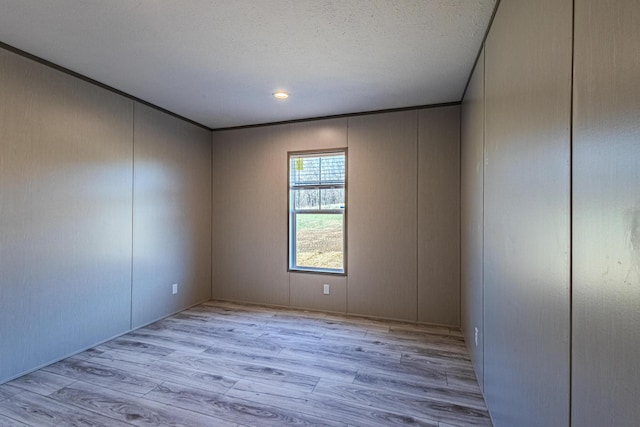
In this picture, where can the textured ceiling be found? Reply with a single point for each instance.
(218, 61)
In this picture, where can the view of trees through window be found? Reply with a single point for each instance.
(316, 212)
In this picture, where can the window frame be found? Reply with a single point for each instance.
(291, 214)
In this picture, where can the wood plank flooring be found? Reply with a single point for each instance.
(229, 364)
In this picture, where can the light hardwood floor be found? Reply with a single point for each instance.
(228, 364)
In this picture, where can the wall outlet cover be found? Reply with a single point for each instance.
(326, 289)
(174, 288)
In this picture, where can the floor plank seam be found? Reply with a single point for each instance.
(241, 364)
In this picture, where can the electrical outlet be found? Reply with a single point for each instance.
(174, 289)
(326, 289)
(476, 337)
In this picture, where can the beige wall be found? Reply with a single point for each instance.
(249, 261)
(250, 235)
(383, 197)
(68, 206)
(561, 183)
(527, 213)
(606, 214)
(171, 216)
(439, 215)
(472, 218)
(65, 214)
(523, 300)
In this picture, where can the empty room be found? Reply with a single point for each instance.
(320, 213)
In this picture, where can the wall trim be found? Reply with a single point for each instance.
(341, 116)
(72, 73)
(484, 39)
(57, 67)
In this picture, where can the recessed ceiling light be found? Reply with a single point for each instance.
(280, 94)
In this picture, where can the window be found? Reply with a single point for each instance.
(317, 201)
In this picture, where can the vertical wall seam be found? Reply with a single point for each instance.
(346, 283)
(571, 122)
(484, 130)
(212, 217)
(417, 215)
(460, 216)
(346, 277)
(133, 178)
